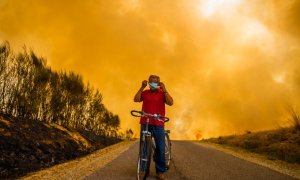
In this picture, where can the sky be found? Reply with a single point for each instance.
(230, 65)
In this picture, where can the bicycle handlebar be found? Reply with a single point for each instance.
(157, 117)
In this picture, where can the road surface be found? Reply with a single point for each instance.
(190, 161)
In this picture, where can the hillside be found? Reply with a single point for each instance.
(29, 145)
(282, 144)
(59, 116)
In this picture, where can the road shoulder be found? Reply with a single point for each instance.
(82, 167)
(292, 170)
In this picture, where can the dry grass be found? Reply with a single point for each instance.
(282, 144)
(294, 117)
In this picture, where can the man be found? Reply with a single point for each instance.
(154, 100)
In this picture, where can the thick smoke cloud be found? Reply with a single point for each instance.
(230, 66)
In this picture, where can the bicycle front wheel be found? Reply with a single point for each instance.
(144, 159)
(167, 150)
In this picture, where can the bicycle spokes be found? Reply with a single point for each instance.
(144, 158)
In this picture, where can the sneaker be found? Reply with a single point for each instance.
(160, 176)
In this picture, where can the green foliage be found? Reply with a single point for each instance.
(31, 90)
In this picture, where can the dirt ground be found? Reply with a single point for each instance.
(31, 145)
(82, 167)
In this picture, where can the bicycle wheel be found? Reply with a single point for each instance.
(144, 159)
(167, 150)
(153, 149)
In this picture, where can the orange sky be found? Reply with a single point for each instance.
(230, 65)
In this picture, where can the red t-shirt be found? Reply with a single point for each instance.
(153, 103)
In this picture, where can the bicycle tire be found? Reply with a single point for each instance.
(153, 149)
(167, 151)
(168, 146)
(144, 160)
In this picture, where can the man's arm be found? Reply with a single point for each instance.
(138, 96)
(169, 99)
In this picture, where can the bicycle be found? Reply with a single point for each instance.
(147, 145)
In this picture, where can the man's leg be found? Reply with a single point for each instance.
(159, 136)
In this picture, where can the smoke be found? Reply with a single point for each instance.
(231, 66)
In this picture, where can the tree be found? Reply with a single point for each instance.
(31, 90)
(129, 134)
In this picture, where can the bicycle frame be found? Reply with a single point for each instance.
(155, 116)
(146, 132)
(144, 159)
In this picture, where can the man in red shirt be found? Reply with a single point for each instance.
(154, 100)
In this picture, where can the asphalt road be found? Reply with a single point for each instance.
(190, 161)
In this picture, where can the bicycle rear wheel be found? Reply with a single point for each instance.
(144, 159)
(167, 150)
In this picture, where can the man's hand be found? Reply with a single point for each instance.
(162, 86)
(169, 99)
(144, 84)
(138, 96)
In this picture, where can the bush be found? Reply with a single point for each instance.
(294, 118)
(283, 144)
(29, 89)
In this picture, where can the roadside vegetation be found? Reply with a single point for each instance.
(30, 89)
(47, 116)
(282, 144)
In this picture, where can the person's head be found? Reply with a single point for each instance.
(154, 82)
